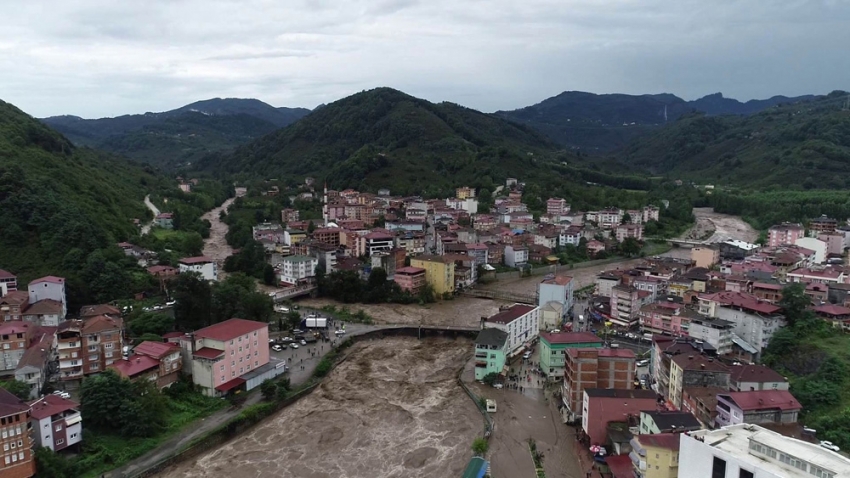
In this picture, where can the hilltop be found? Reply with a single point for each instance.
(178, 137)
(59, 202)
(383, 137)
(602, 123)
(805, 144)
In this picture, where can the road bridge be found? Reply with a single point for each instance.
(501, 295)
(291, 292)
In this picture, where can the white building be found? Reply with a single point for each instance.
(816, 245)
(297, 269)
(750, 451)
(516, 256)
(469, 205)
(56, 422)
(557, 289)
(520, 321)
(202, 265)
(716, 332)
(50, 287)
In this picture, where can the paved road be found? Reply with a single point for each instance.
(147, 227)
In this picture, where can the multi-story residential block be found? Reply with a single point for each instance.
(224, 353)
(747, 378)
(491, 348)
(820, 275)
(288, 215)
(755, 320)
(762, 406)
(8, 282)
(695, 371)
(594, 368)
(750, 451)
(202, 265)
(17, 454)
(570, 236)
(46, 312)
(666, 317)
(650, 213)
(705, 256)
(298, 269)
(626, 231)
(49, 287)
(439, 272)
(717, 332)
(553, 350)
(470, 205)
(556, 289)
(465, 192)
(375, 242)
(520, 321)
(516, 256)
(14, 339)
(785, 233)
(834, 242)
(821, 225)
(159, 362)
(36, 365)
(88, 347)
(13, 304)
(701, 402)
(411, 279)
(814, 245)
(56, 422)
(625, 305)
(601, 406)
(655, 456)
(556, 206)
(667, 421)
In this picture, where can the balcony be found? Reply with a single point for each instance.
(482, 355)
(480, 364)
(69, 345)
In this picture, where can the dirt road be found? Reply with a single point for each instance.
(393, 408)
(716, 227)
(147, 227)
(216, 247)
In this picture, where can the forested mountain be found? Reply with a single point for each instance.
(802, 145)
(177, 137)
(601, 123)
(385, 138)
(59, 203)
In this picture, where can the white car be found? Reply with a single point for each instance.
(277, 348)
(303, 342)
(295, 346)
(340, 332)
(829, 446)
(62, 394)
(526, 355)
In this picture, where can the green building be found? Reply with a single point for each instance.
(490, 352)
(553, 350)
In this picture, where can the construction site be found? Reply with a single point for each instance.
(393, 407)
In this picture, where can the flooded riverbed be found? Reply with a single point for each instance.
(392, 409)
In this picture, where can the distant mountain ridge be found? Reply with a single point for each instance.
(177, 137)
(607, 122)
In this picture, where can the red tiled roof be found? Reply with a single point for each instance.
(16, 297)
(764, 400)
(230, 384)
(620, 465)
(51, 279)
(832, 309)
(134, 365)
(171, 335)
(195, 260)
(827, 273)
(570, 338)
(7, 275)
(616, 353)
(100, 323)
(208, 353)
(762, 285)
(699, 362)
(158, 269)
(15, 327)
(755, 373)
(409, 270)
(155, 350)
(507, 316)
(50, 405)
(743, 300)
(100, 309)
(10, 404)
(45, 307)
(229, 329)
(669, 441)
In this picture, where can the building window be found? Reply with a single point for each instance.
(222, 367)
(222, 378)
(745, 474)
(718, 468)
(60, 441)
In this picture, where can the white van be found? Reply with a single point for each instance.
(491, 406)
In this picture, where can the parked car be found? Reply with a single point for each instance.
(829, 446)
(62, 393)
(526, 355)
(297, 332)
(295, 346)
(642, 363)
(303, 342)
(340, 332)
(277, 348)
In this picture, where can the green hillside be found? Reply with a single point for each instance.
(801, 146)
(58, 203)
(385, 138)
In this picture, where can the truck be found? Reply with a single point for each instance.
(316, 322)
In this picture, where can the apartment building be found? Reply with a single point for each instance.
(49, 287)
(88, 347)
(553, 350)
(601, 406)
(439, 272)
(202, 265)
(491, 348)
(13, 304)
(8, 282)
(14, 340)
(410, 279)
(625, 305)
(520, 321)
(298, 269)
(594, 368)
(655, 456)
(694, 370)
(761, 406)
(56, 422)
(18, 460)
(785, 233)
(224, 353)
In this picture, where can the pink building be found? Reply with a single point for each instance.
(223, 353)
(556, 206)
(834, 242)
(666, 318)
(625, 231)
(785, 233)
(410, 279)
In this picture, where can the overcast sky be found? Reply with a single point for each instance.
(96, 58)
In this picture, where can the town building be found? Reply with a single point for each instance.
(14, 339)
(439, 272)
(164, 220)
(745, 378)
(785, 233)
(650, 213)
(516, 256)
(491, 347)
(655, 456)
(666, 317)
(18, 460)
(717, 332)
(815, 245)
(556, 289)
(46, 312)
(751, 451)
(289, 215)
(762, 406)
(667, 421)
(36, 364)
(821, 225)
(553, 350)
(298, 269)
(88, 347)
(465, 192)
(755, 320)
(601, 406)
(701, 402)
(411, 279)
(556, 206)
(202, 265)
(625, 305)
(594, 368)
(627, 231)
(156, 361)
(49, 287)
(8, 282)
(163, 272)
(520, 321)
(695, 371)
(13, 304)
(56, 422)
(834, 243)
(705, 256)
(222, 354)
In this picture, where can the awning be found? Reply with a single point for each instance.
(231, 384)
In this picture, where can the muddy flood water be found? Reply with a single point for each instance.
(393, 408)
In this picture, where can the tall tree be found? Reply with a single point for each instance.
(194, 298)
(794, 302)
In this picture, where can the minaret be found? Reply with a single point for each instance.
(325, 204)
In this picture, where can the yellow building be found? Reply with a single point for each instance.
(655, 456)
(465, 193)
(294, 236)
(439, 272)
(706, 256)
